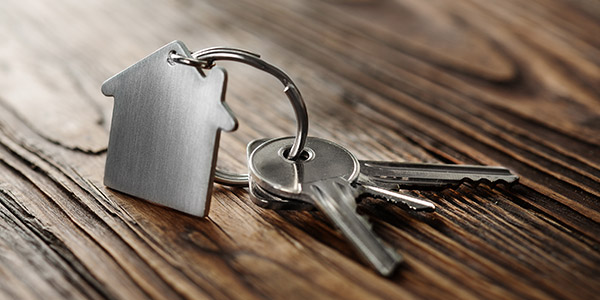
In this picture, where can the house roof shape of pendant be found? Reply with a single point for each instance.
(165, 131)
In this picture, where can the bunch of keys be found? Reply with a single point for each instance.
(329, 178)
(287, 173)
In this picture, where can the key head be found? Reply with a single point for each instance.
(266, 199)
(269, 200)
(321, 159)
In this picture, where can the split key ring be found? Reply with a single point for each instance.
(205, 59)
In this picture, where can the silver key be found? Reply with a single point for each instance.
(269, 200)
(322, 177)
(402, 175)
(380, 179)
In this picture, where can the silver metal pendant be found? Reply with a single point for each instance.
(165, 130)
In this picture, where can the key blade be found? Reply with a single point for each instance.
(402, 175)
(397, 198)
(337, 201)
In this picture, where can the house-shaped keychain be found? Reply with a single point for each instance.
(165, 130)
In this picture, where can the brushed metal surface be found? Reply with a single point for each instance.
(165, 131)
(270, 169)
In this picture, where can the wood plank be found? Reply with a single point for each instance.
(508, 83)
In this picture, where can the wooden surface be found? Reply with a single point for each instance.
(512, 83)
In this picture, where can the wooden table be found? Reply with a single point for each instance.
(511, 83)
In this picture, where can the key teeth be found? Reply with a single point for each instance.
(399, 199)
(425, 176)
(400, 203)
(412, 207)
(491, 183)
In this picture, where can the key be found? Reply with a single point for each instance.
(322, 176)
(402, 175)
(379, 179)
(268, 200)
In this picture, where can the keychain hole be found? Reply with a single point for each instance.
(306, 154)
(170, 57)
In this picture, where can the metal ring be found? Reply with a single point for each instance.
(231, 179)
(188, 61)
(206, 59)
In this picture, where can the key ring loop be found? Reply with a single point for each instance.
(206, 59)
(189, 61)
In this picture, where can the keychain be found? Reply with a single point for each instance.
(169, 111)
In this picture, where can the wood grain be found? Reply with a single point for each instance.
(512, 83)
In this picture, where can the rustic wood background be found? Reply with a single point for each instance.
(512, 83)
